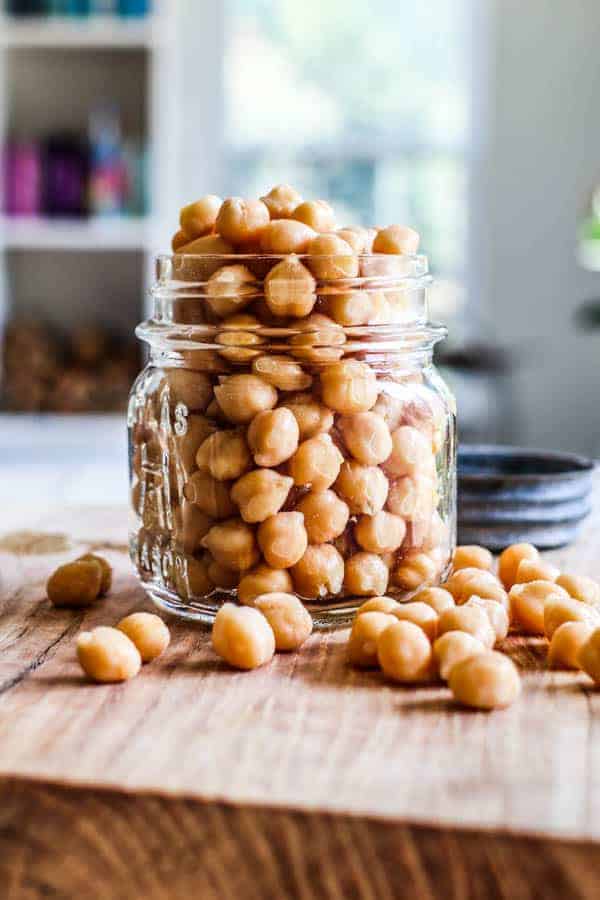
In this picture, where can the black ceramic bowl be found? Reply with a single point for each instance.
(507, 495)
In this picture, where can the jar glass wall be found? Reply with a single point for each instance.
(290, 432)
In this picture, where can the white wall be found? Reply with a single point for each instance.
(542, 160)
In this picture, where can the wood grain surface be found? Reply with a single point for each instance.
(254, 784)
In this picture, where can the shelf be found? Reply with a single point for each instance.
(110, 33)
(64, 234)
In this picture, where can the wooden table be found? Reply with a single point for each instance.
(303, 779)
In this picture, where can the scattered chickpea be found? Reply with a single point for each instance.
(414, 569)
(421, 614)
(273, 436)
(559, 609)
(282, 236)
(378, 604)
(312, 417)
(527, 604)
(454, 646)
(367, 437)
(365, 575)
(436, 597)
(197, 219)
(263, 580)
(290, 288)
(106, 567)
(470, 556)
(411, 453)
(318, 214)
(241, 397)
(404, 653)
(364, 488)
(282, 539)
(396, 239)
(470, 581)
(77, 583)
(316, 463)
(381, 533)
(485, 681)
(107, 655)
(242, 637)
(225, 455)
(281, 201)
(331, 258)
(260, 494)
(230, 289)
(319, 573)
(325, 515)
(282, 372)
(148, 632)
(288, 617)
(242, 221)
(233, 544)
(471, 619)
(194, 389)
(566, 644)
(496, 613)
(365, 633)
(349, 386)
(509, 560)
(209, 495)
(536, 570)
(581, 587)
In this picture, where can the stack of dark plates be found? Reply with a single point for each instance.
(507, 495)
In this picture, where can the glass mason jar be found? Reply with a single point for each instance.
(290, 433)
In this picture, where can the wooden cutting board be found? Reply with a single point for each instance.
(301, 779)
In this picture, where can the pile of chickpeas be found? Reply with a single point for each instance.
(296, 456)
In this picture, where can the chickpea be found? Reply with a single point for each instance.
(364, 488)
(242, 221)
(210, 244)
(396, 239)
(560, 609)
(192, 579)
(281, 201)
(566, 644)
(148, 632)
(288, 617)
(390, 408)
(365, 633)
(509, 560)
(471, 619)
(381, 310)
(527, 604)
(405, 654)
(412, 498)
(351, 308)
(282, 539)
(107, 655)
(319, 573)
(365, 575)
(194, 389)
(282, 372)
(436, 597)
(536, 570)
(263, 580)
(414, 570)
(194, 524)
(233, 544)
(106, 567)
(496, 613)
(467, 582)
(75, 584)
(411, 454)
(197, 219)
(187, 444)
(367, 437)
(349, 386)
(290, 289)
(225, 455)
(325, 515)
(230, 289)
(357, 237)
(485, 681)
(470, 556)
(316, 463)
(209, 495)
(318, 339)
(242, 637)
(179, 240)
(273, 436)
(241, 397)
(241, 345)
(331, 258)
(421, 614)
(318, 214)
(260, 494)
(282, 236)
(312, 417)
(452, 647)
(581, 587)
(381, 533)
(378, 604)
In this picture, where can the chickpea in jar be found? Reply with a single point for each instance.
(283, 236)
(381, 533)
(273, 436)
(282, 372)
(288, 617)
(241, 397)
(241, 222)
(193, 389)
(209, 495)
(283, 539)
(362, 643)
(198, 219)
(318, 214)
(260, 494)
(233, 544)
(367, 437)
(349, 386)
(331, 258)
(263, 580)
(485, 681)
(396, 239)
(316, 463)
(363, 488)
(242, 637)
(290, 289)
(365, 575)
(325, 515)
(411, 454)
(225, 455)
(319, 572)
(415, 569)
(230, 289)
(281, 201)
(191, 577)
(311, 416)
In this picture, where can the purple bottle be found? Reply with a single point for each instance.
(22, 179)
(66, 169)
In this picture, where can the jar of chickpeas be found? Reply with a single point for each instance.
(290, 432)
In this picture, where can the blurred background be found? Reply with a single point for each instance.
(474, 121)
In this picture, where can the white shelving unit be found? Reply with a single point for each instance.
(69, 65)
